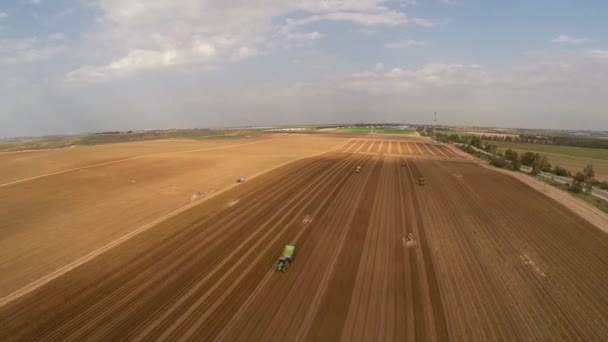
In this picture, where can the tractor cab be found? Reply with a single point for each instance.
(421, 181)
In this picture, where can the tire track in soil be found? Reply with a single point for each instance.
(303, 211)
(544, 241)
(182, 318)
(87, 293)
(257, 292)
(321, 294)
(427, 150)
(260, 322)
(126, 312)
(328, 325)
(356, 321)
(404, 255)
(496, 324)
(440, 325)
(160, 277)
(297, 320)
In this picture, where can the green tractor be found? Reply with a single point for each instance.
(421, 181)
(286, 258)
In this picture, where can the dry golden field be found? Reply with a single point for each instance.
(111, 190)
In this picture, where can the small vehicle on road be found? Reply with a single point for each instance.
(286, 258)
(240, 180)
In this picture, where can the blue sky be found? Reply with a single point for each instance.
(69, 66)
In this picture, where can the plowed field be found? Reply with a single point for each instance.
(473, 255)
(403, 147)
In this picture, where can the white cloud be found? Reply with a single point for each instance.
(235, 30)
(27, 51)
(404, 43)
(598, 53)
(397, 80)
(564, 39)
(3, 14)
(141, 60)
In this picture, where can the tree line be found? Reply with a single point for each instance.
(581, 181)
(563, 140)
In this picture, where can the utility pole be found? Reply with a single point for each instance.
(435, 126)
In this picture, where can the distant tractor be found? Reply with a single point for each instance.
(421, 181)
(240, 180)
(358, 169)
(403, 163)
(286, 258)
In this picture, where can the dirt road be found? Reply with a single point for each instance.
(473, 255)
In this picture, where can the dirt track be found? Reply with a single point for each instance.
(474, 255)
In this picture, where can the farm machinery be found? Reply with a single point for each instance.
(358, 169)
(240, 180)
(286, 258)
(421, 181)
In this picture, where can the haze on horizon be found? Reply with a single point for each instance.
(70, 66)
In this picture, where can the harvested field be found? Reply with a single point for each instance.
(409, 147)
(474, 255)
(89, 196)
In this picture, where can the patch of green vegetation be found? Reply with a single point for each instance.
(453, 132)
(405, 131)
(354, 130)
(100, 139)
(595, 153)
(596, 202)
(375, 130)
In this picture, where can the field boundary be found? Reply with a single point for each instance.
(72, 265)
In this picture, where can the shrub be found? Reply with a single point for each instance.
(560, 171)
(499, 162)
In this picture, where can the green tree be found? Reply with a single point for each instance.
(560, 171)
(499, 162)
(528, 158)
(515, 162)
(513, 157)
(475, 141)
(589, 174)
(544, 165)
(578, 180)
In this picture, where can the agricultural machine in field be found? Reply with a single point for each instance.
(403, 163)
(358, 169)
(421, 181)
(240, 180)
(286, 258)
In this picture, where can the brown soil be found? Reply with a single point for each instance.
(474, 255)
(51, 221)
